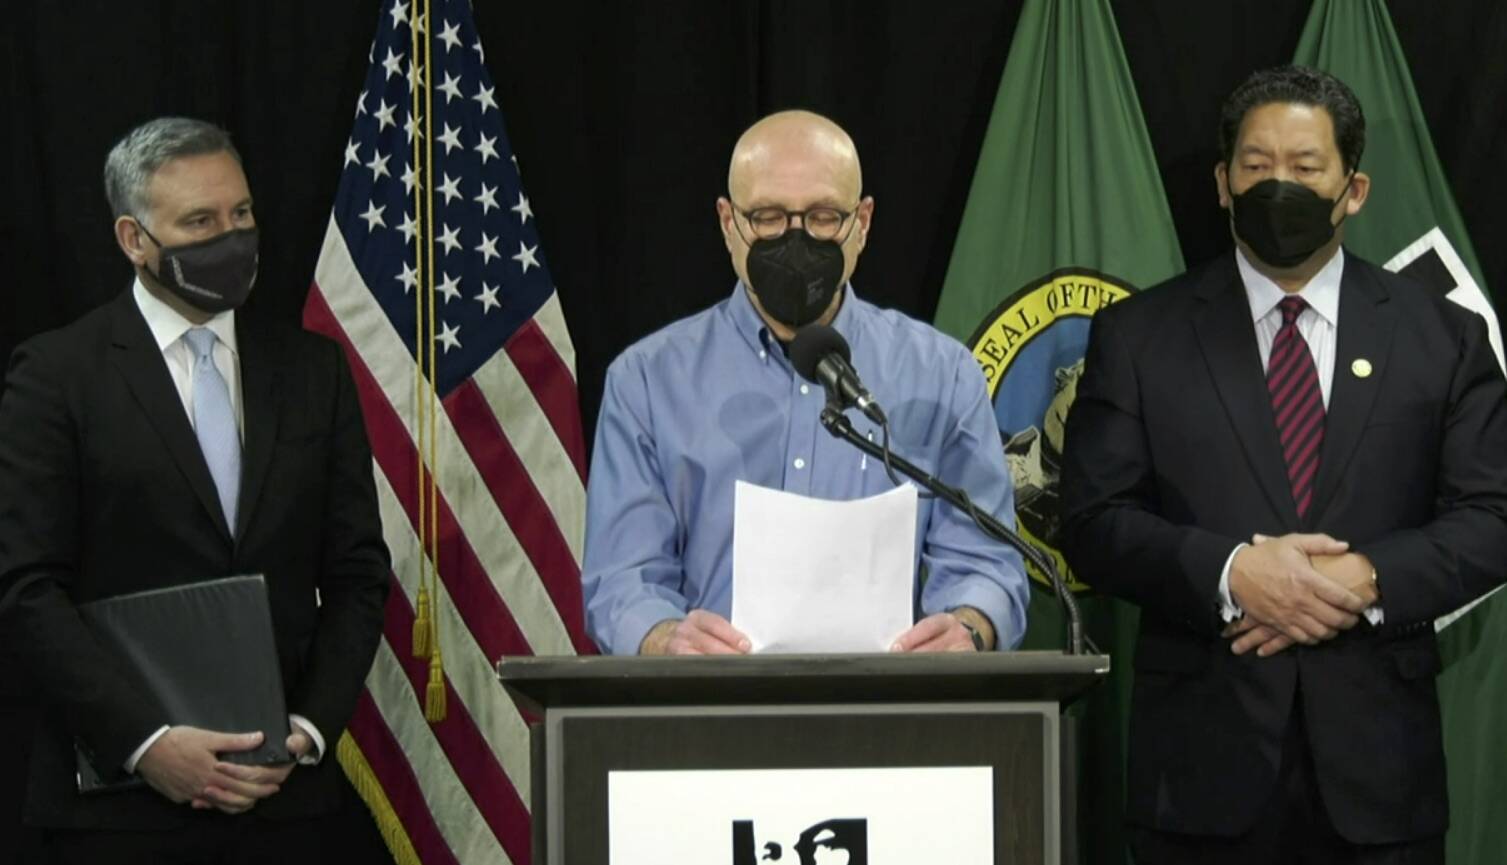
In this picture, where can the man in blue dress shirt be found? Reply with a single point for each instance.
(713, 399)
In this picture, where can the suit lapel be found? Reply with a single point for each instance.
(145, 372)
(1227, 337)
(259, 394)
(1365, 334)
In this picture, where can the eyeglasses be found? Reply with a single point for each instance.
(821, 223)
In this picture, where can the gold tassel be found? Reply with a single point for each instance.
(370, 789)
(423, 626)
(434, 694)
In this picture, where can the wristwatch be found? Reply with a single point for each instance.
(978, 638)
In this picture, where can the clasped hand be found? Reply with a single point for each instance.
(184, 765)
(1298, 588)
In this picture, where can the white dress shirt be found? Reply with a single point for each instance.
(1319, 324)
(168, 328)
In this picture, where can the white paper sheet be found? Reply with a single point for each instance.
(906, 816)
(811, 575)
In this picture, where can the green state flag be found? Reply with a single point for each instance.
(1411, 225)
(1066, 215)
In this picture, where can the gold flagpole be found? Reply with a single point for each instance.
(434, 693)
(422, 629)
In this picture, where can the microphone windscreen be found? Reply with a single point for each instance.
(812, 343)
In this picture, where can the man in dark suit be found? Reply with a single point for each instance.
(161, 440)
(1292, 461)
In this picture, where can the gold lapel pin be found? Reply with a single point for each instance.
(1361, 367)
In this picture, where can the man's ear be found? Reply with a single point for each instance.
(1360, 190)
(725, 221)
(865, 217)
(1222, 183)
(131, 240)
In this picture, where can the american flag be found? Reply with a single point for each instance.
(508, 458)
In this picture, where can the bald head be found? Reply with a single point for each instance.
(797, 162)
(795, 148)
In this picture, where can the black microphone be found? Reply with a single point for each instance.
(821, 355)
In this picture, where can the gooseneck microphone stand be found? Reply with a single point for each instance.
(839, 426)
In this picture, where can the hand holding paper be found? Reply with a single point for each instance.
(701, 632)
(943, 632)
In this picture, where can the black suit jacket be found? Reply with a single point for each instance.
(1172, 459)
(104, 491)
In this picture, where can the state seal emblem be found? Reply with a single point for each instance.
(1031, 351)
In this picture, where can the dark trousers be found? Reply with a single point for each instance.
(345, 836)
(1294, 827)
(18, 842)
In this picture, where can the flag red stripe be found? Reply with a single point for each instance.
(390, 765)
(470, 589)
(554, 387)
(463, 743)
(527, 513)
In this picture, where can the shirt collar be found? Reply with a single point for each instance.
(756, 333)
(1322, 292)
(168, 325)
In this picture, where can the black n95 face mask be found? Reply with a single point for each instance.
(795, 276)
(1283, 222)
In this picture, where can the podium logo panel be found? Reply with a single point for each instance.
(801, 816)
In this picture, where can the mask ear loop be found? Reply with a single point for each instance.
(152, 237)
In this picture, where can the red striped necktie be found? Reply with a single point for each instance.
(1297, 402)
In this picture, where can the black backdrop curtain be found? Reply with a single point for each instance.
(622, 116)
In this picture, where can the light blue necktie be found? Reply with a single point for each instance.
(214, 422)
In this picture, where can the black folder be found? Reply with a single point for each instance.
(206, 652)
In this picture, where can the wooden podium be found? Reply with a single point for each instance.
(624, 714)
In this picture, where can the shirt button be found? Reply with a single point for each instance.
(762, 354)
(800, 463)
(805, 390)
